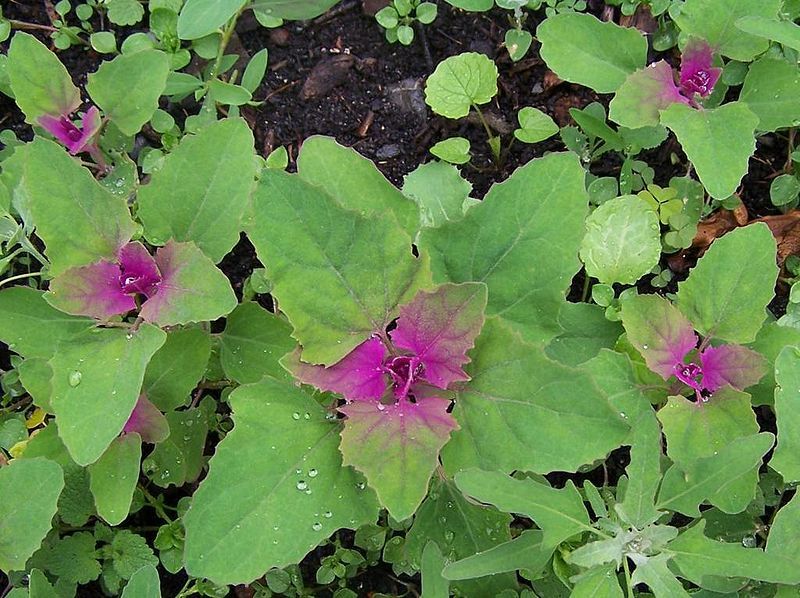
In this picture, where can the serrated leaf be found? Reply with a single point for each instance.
(361, 268)
(199, 18)
(721, 298)
(440, 192)
(770, 90)
(113, 478)
(29, 491)
(460, 82)
(538, 210)
(127, 88)
(177, 367)
(582, 49)
(179, 459)
(786, 459)
(129, 553)
(250, 483)
(125, 12)
(96, 383)
(201, 192)
(72, 558)
(719, 142)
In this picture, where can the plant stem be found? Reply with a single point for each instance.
(25, 25)
(586, 287)
(227, 33)
(19, 277)
(153, 502)
(488, 130)
(628, 581)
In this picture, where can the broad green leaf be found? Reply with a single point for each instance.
(129, 553)
(433, 584)
(179, 459)
(203, 189)
(696, 430)
(783, 32)
(77, 218)
(472, 5)
(560, 514)
(293, 9)
(770, 90)
(655, 573)
(643, 95)
(715, 22)
(582, 49)
(523, 552)
(459, 528)
(31, 327)
(440, 192)
(783, 540)
(238, 525)
(96, 382)
(199, 18)
(517, 42)
(620, 382)
(223, 92)
(724, 298)
(644, 473)
(113, 478)
(622, 242)
(585, 332)
(38, 587)
(461, 82)
(29, 490)
(600, 582)
(727, 479)
(353, 181)
(252, 344)
(786, 459)
(360, 268)
(697, 556)
(454, 150)
(770, 341)
(143, 584)
(40, 83)
(72, 558)
(538, 211)
(513, 391)
(177, 367)
(535, 125)
(256, 69)
(127, 88)
(719, 142)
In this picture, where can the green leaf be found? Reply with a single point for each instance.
(203, 189)
(31, 327)
(622, 242)
(581, 49)
(179, 459)
(96, 382)
(387, 17)
(517, 42)
(721, 298)
(514, 389)
(585, 332)
(29, 490)
(254, 72)
(143, 584)
(223, 92)
(77, 218)
(361, 268)
(296, 10)
(253, 343)
(40, 83)
(103, 42)
(113, 478)
(783, 537)
(125, 12)
(238, 525)
(600, 582)
(559, 513)
(439, 191)
(72, 558)
(523, 552)
(715, 22)
(770, 341)
(786, 459)
(460, 82)
(719, 142)
(770, 90)
(697, 556)
(655, 573)
(127, 88)
(538, 211)
(535, 125)
(199, 18)
(433, 584)
(786, 33)
(784, 189)
(177, 367)
(644, 473)
(454, 150)
(129, 553)
(472, 5)
(643, 95)
(353, 181)
(727, 480)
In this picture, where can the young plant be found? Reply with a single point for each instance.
(399, 17)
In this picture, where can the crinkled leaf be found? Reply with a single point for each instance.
(582, 49)
(361, 268)
(72, 558)
(439, 327)
(129, 553)
(192, 288)
(643, 95)
(734, 365)
(354, 181)
(201, 192)
(461, 82)
(514, 389)
(770, 90)
(253, 342)
(440, 192)
(698, 74)
(538, 211)
(725, 296)
(786, 459)
(96, 382)
(113, 478)
(92, 290)
(199, 18)
(719, 142)
(179, 459)
(40, 83)
(177, 367)
(29, 491)
(238, 525)
(396, 447)
(585, 332)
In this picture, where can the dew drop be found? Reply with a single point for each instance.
(645, 347)
(327, 514)
(295, 415)
(312, 473)
(302, 485)
(448, 536)
(361, 485)
(316, 526)
(75, 378)
(307, 415)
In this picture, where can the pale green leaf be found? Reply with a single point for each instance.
(177, 367)
(770, 90)
(600, 582)
(433, 584)
(786, 459)
(535, 125)
(179, 459)
(783, 540)
(770, 341)
(440, 192)
(293, 9)
(460, 82)
(143, 584)
(454, 150)
(655, 573)
(199, 18)
(113, 478)
(523, 552)
(644, 473)
(783, 32)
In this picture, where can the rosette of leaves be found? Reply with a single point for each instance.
(399, 17)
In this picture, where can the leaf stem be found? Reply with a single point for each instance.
(628, 581)
(586, 287)
(495, 150)
(25, 25)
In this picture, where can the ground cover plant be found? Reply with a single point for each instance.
(510, 308)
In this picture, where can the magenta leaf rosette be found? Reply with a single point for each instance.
(669, 344)
(396, 388)
(76, 137)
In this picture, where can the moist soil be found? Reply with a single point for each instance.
(338, 76)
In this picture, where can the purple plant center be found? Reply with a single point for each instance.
(133, 282)
(690, 374)
(404, 370)
(73, 132)
(700, 82)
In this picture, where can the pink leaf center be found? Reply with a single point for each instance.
(404, 371)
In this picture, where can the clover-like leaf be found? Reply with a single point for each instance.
(460, 82)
